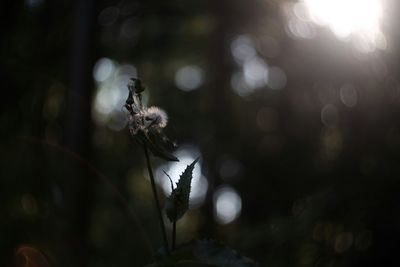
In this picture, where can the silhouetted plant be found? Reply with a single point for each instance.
(146, 126)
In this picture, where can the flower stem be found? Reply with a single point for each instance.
(153, 186)
(173, 235)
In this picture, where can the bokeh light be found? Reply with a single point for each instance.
(111, 79)
(300, 29)
(329, 115)
(239, 85)
(348, 95)
(242, 48)
(189, 78)
(343, 242)
(255, 72)
(227, 205)
(103, 69)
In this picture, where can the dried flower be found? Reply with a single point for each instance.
(147, 123)
(147, 118)
(155, 117)
(141, 118)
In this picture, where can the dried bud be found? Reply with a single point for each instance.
(131, 85)
(146, 124)
(139, 88)
(129, 100)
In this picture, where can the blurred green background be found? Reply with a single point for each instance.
(293, 107)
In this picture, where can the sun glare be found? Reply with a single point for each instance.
(345, 17)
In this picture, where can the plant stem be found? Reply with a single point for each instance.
(173, 235)
(153, 186)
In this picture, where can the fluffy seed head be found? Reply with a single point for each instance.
(155, 117)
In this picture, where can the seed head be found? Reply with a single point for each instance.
(155, 117)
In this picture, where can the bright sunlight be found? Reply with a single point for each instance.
(345, 17)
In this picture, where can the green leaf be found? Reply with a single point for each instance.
(178, 202)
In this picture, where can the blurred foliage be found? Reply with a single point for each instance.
(203, 253)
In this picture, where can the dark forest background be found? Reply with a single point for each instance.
(312, 151)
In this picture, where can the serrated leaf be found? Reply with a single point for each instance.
(178, 202)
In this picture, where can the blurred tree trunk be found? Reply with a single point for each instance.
(78, 130)
(218, 95)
